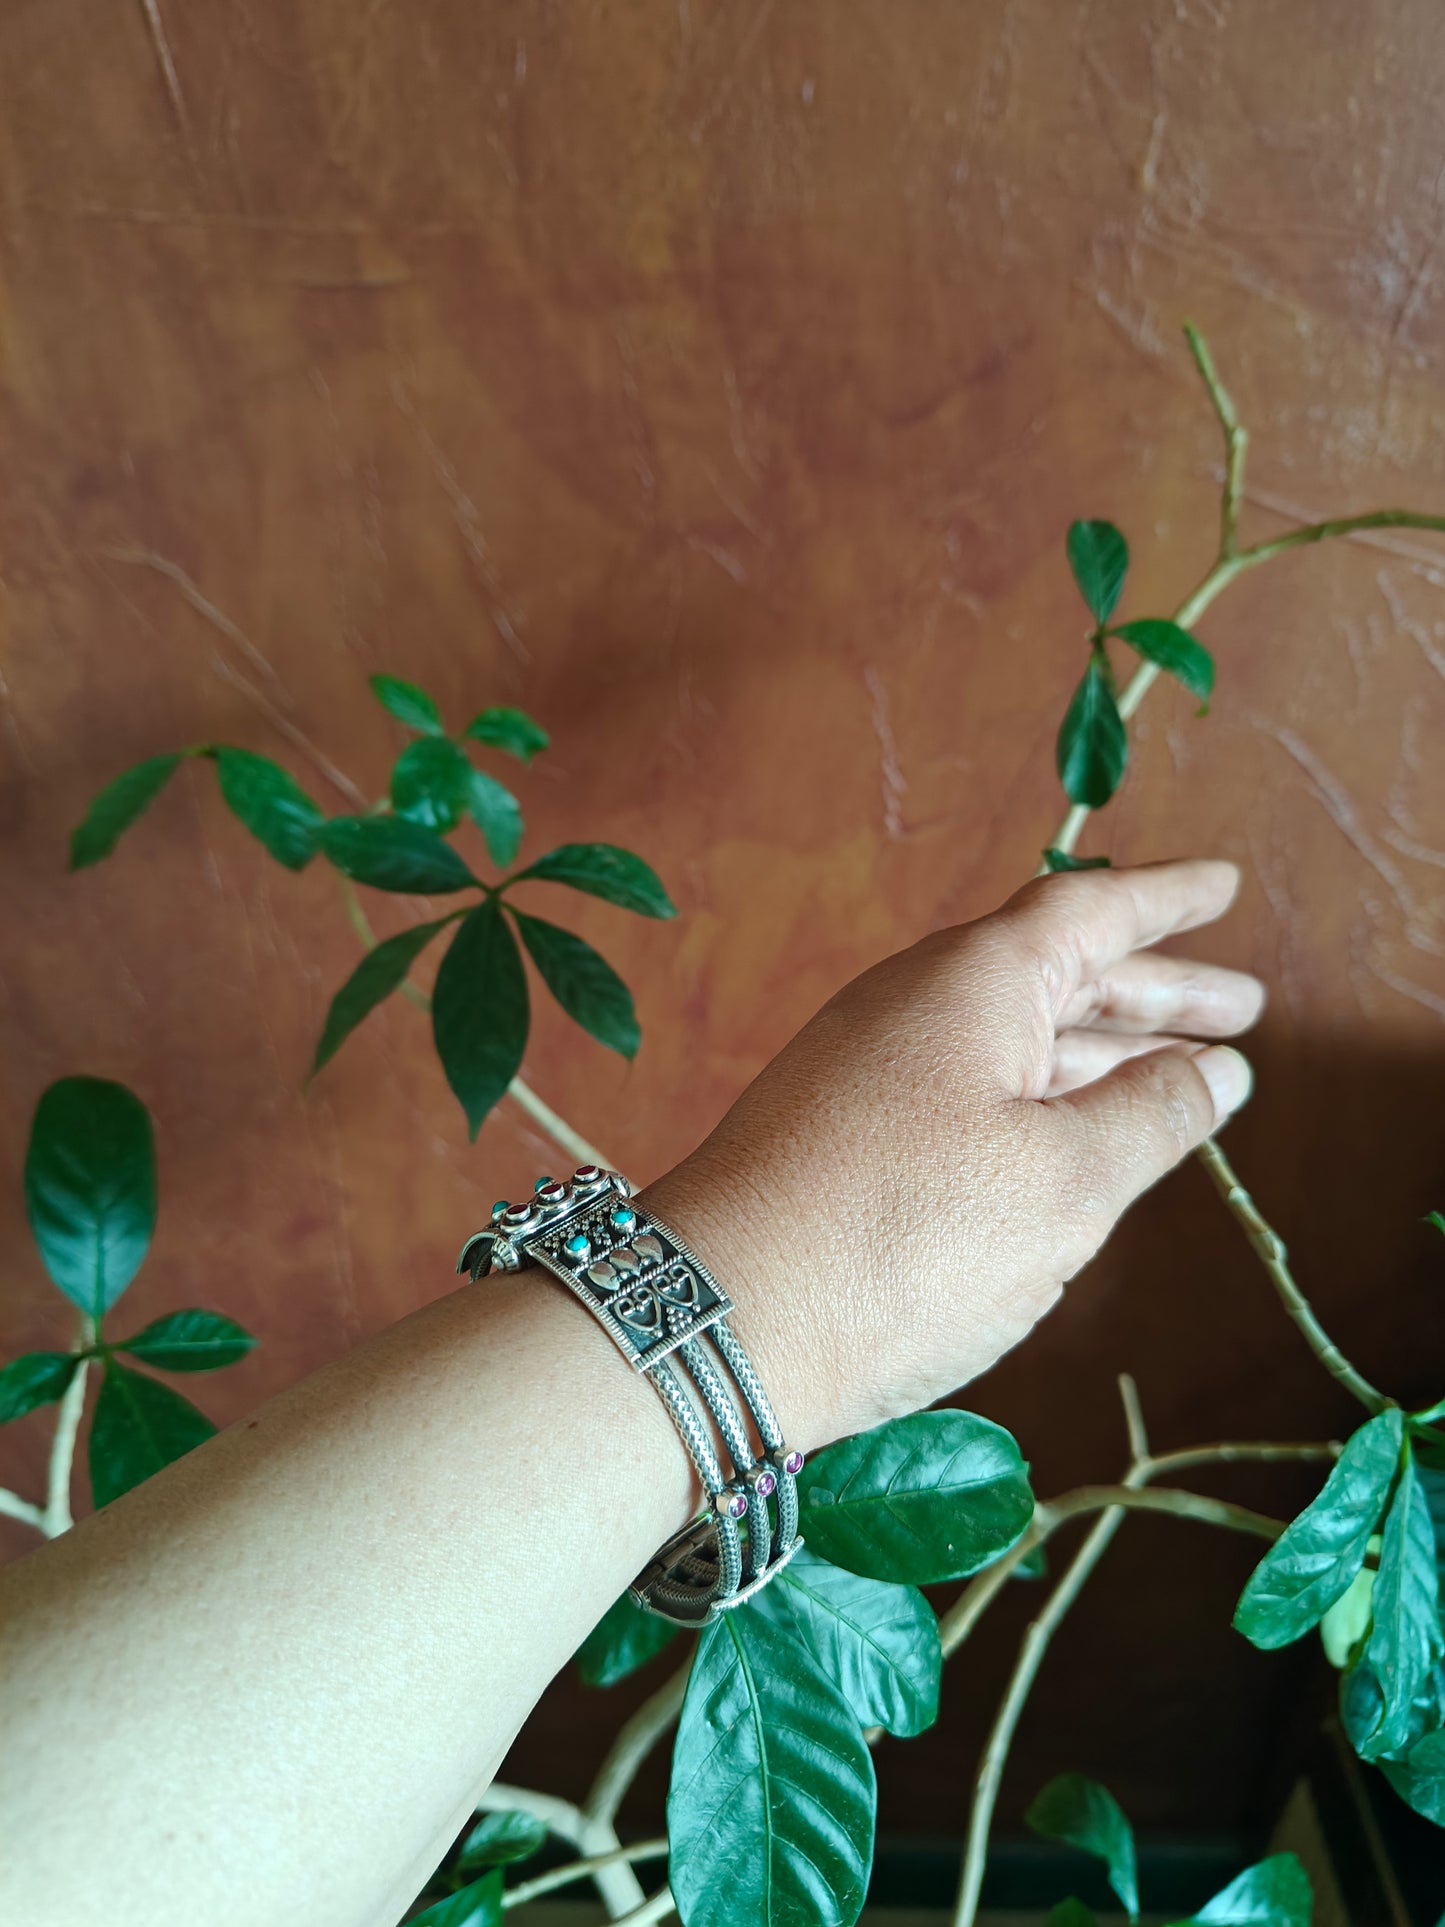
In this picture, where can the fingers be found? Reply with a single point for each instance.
(1081, 1056)
(1148, 992)
(1137, 1122)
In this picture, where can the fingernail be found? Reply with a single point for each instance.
(1229, 1077)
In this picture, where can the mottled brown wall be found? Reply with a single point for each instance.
(717, 380)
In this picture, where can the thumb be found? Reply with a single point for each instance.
(1149, 1112)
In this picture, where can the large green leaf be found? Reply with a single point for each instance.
(271, 804)
(1312, 1563)
(189, 1341)
(408, 703)
(390, 853)
(770, 1813)
(584, 984)
(32, 1380)
(1173, 650)
(90, 1188)
(1276, 1893)
(878, 1643)
(930, 1497)
(478, 1905)
(1405, 1642)
(380, 972)
(1099, 558)
(429, 782)
(1362, 1706)
(624, 1638)
(479, 1011)
(1086, 1815)
(603, 870)
(117, 807)
(499, 1839)
(1419, 1778)
(140, 1425)
(496, 813)
(510, 729)
(1093, 746)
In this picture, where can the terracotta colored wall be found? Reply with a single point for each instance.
(718, 381)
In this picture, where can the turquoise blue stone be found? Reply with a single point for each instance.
(499, 1207)
(624, 1217)
(579, 1246)
(541, 1184)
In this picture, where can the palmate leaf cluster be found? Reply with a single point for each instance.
(481, 1009)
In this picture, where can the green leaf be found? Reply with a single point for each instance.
(498, 1839)
(479, 1009)
(1173, 650)
(479, 1905)
(624, 1638)
(921, 1499)
(1071, 1913)
(118, 805)
(1405, 1642)
(271, 804)
(1362, 1705)
(1276, 1893)
(1093, 747)
(1310, 1566)
(380, 972)
(496, 813)
(584, 984)
(90, 1188)
(34, 1379)
(1099, 558)
(1033, 1565)
(140, 1425)
(189, 1341)
(1065, 860)
(408, 703)
(603, 870)
(509, 729)
(770, 1813)
(878, 1643)
(1419, 1778)
(1086, 1815)
(1347, 1623)
(1437, 1218)
(390, 853)
(429, 782)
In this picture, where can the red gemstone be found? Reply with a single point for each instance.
(517, 1213)
(552, 1193)
(767, 1485)
(587, 1173)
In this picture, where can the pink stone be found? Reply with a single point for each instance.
(793, 1463)
(767, 1485)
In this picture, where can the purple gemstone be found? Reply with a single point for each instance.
(737, 1506)
(793, 1463)
(767, 1485)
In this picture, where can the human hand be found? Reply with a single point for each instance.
(906, 1188)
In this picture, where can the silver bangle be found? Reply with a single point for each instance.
(667, 1314)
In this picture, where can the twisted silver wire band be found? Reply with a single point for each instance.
(764, 1417)
(729, 1422)
(684, 1415)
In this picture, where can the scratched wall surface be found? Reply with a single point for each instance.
(717, 381)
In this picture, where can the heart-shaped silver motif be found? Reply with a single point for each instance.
(625, 1259)
(678, 1287)
(639, 1309)
(648, 1247)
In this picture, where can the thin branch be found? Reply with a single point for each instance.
(546, 1883)
(1236, 440)
(632, 1746)
(616, 1883)
(57, 1518)
(1134, 1419)
(14, 1507)
(1269, 1246)
(658, 1908)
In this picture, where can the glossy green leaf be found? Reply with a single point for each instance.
(90, 1188)
(1071, 1913)
(1099, 558)
(1033, 1565)
(271, 804)
(408, 703)
(1276, 1893)
(429, 782)
(1405, 1641)
(118, 805)
(496, 813)
(624, 1639)
(499, 1839)
(584, 984)
(1419, 1778)
(479, 1011)
(478, 1905)
(380, 972)
(930, 1497)
(770, 1814)
(1055, 860)
(189, 1341)
(140, 1425)
(1362, 1706)
(603, 870)
(32, 1380)
(1092, 747)
(1173, 650)
(1084, 1814)
(878, 1643)
(1437, 1218)
(509, 729)
(390, 853)
(1309, 1567)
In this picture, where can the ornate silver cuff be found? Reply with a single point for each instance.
(667, 1314)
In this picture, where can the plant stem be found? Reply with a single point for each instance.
(14, 1507)
(658, 1908)
(632, 1746)
(57, 1518)
(616, 1883)
(546, 1883)
(1236, 441)
(1273, 1256)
